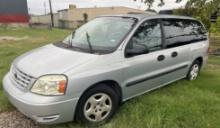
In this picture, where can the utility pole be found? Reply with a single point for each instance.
(45, 8)
(51, 13)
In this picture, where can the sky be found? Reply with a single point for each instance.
(37, 7)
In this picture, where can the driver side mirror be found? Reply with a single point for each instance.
(136, 49)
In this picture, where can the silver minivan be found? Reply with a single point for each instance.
(105, 62)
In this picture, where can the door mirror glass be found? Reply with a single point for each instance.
(136, 49)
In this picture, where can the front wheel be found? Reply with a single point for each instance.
(194, 71)
(97, 105)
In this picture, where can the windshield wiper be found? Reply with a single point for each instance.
(89, 42)
(72, 36)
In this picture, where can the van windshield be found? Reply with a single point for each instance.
(102, 34)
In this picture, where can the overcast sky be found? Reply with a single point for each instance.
(38, 6)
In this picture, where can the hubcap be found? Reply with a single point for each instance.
(194, 72)
(97, 107)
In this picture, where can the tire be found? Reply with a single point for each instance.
(97, 105)
(194, 70)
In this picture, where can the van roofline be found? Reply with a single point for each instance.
(142, 16)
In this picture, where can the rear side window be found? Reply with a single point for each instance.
(180, 32)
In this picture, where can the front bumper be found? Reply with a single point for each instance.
(42, 109)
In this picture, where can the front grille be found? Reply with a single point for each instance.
(20, 78)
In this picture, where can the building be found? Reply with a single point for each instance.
(74, 17)
(14, 12)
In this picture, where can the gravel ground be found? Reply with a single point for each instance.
(15, 119)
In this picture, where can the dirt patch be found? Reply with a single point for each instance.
(15, 119)
(11, 38)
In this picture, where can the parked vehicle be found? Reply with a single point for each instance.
(103, 63)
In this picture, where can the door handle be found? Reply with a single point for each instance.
(174, 54)
(161, 58)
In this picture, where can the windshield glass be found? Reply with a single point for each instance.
(101, 34)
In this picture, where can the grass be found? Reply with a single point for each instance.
(182, 104)
(215, 43)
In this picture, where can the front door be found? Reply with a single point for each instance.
(143, 66)
(149, 64)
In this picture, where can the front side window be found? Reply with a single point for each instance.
(147, 38)
(101, 34)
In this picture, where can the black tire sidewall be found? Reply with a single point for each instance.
(101, 88)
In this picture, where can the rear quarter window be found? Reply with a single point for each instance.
(180, 32)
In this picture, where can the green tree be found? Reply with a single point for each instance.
(149, 3)
(215, 27)
(200, 9)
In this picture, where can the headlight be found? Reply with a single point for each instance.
(50, 85)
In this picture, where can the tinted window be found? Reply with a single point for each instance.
(147, 35)
(181, 32)
(193, 28)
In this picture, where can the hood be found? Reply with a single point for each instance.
(51, 59)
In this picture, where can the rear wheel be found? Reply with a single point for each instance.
(194, 70)
(97, 105)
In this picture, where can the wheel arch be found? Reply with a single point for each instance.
(200, 59)
(111, 83)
